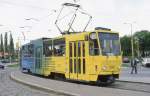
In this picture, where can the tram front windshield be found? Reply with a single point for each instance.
(109, 43)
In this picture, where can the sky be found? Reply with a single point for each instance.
(106, 13)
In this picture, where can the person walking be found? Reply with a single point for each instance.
(134, 66)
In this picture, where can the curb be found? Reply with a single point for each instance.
(36, 86)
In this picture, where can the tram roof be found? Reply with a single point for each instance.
(71, 34)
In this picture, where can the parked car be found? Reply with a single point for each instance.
(126, 60)
(5, 61)
(138, 60)
(2, 66)
(146, 62)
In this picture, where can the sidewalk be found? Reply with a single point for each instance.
(143, 75)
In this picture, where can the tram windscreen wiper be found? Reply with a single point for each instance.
(109, 43)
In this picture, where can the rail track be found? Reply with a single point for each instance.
(123, 85)
(132, 86)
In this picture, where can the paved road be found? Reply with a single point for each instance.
(81, 89)
(140, 69)
(11, 88)
(142, 76)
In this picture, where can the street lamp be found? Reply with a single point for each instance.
(9, 49)
(137, 46)
(132, 46)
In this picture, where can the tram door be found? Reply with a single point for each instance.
(38, 59)
(76, 59)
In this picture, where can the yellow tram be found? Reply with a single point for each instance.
(87, 56)
(93, 56)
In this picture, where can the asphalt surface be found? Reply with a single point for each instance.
(119, 88)
(10, 88)
(132, 86)
(143, 74)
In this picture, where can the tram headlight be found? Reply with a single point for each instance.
(93, 35)
(104, 67)
(119, 68)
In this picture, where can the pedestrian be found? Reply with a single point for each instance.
(134, 66)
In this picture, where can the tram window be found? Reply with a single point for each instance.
(79, 65)
(110, 44)
(59, 47)
(22, 49)
(75, 66)
(48, 48)
(30, 50)
(79, 49)
(93, 46)
(70, 65)
(83, 66)
(83, 48)
(27, 50)
(70, 48)
(74, 49)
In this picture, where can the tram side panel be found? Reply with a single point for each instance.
(96, 64)
(39, 65)
(27, 59)
(59, 55)
(77, 58)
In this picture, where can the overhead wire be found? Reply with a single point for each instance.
(22, 5)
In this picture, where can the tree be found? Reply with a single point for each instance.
(126, 45)
(2, 46)
(141, 44)
(11, 46)
(5, 42)
(144, 39)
